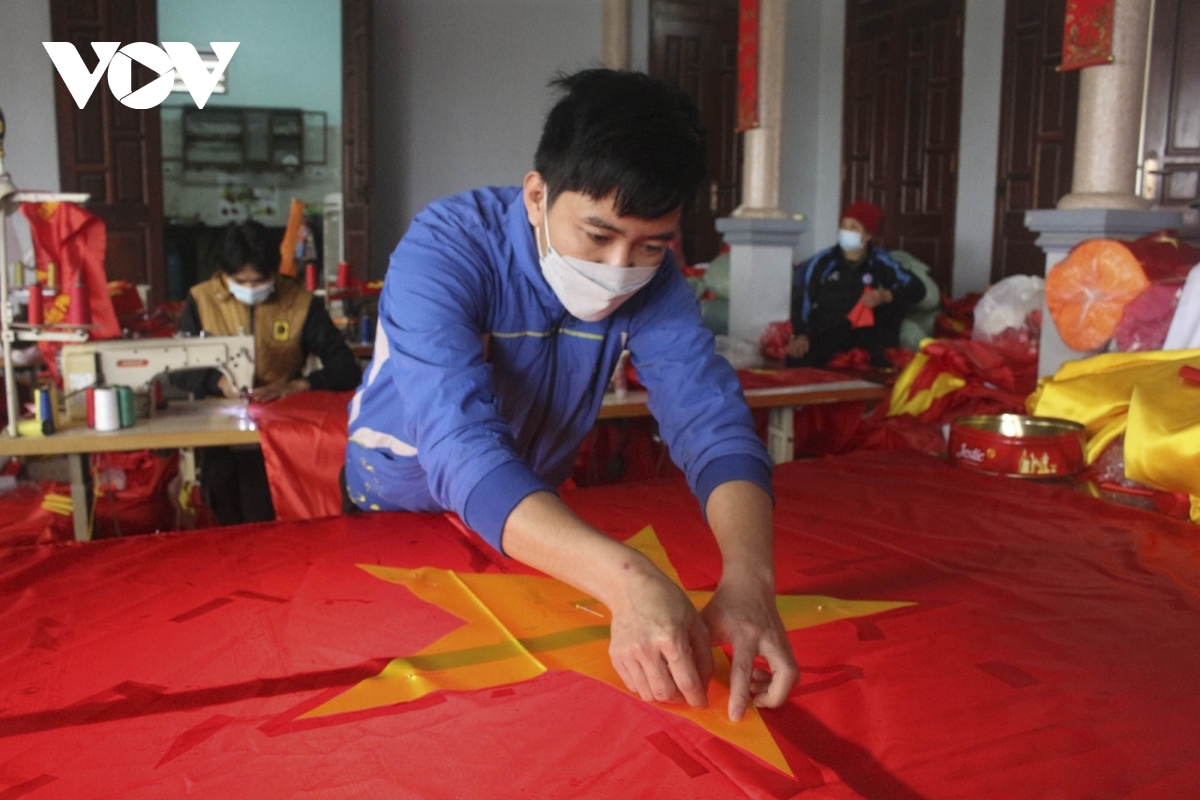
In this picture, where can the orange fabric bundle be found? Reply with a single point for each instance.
(1087, 293)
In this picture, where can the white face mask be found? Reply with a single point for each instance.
(251, 295)
(849, 240)
(588, 290)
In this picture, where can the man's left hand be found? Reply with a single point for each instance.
(279, 390)
(742, 612)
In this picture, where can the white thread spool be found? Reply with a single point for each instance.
(108, 414)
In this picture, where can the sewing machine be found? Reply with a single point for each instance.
(137, 362)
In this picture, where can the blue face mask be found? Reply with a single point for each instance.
(849, 241)
(251, 295)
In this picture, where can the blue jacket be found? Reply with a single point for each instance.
(482, 386)
(827, 287)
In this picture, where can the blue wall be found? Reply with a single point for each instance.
(290, 54)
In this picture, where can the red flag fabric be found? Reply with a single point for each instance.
(1087, 34)
(74, 240)
(304, 445)
(1047, 650)
(747, 74)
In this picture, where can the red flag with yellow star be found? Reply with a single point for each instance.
(958, 635)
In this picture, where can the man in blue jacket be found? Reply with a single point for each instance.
(501, 320)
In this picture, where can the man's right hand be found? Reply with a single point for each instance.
(660, 646)
(798, 346)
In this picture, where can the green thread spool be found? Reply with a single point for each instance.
(127, 406)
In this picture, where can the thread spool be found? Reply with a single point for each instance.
(36, 310)
(310, 276)
(160, 396)
(79, 309)
(90, 398)
(364, 329)
(52, 277)
(19, 273)
(107, 414)
(126, 407)
(343, 278)
(31, 427)
(44, 403)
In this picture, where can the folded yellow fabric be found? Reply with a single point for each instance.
(1143, 396)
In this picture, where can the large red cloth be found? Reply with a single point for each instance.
(1050, 651)
(303, 440)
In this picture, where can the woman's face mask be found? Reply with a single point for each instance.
(850, 241)
(251, 295)
(590, 291)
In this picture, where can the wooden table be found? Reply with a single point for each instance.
(207, 423)
(780, 401)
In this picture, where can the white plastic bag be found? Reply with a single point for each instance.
(1009, 305)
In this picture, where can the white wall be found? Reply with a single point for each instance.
(460, 96)
(979, 140)
(27, 97)
(810, 172)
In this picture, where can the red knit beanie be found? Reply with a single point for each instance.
(869, 214)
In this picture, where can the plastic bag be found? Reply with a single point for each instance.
(1010, 313)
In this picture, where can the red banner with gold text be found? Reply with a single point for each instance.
(747, 65)
(1087, 34)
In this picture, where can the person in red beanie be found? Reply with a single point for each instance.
(853, 294)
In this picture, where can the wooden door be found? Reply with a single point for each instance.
(1172, 135)
(356, 134)
(108, 150)
(1036, 157)
(900, 127)
(693, 44)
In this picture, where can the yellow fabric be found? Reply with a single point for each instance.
(918, 403)
(278, 324)
(515, 627)
(1143, 396)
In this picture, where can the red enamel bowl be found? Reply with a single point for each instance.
(1017, 445)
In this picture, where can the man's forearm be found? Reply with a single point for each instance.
(741, 516)
(543, 533)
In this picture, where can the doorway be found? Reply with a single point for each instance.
(1172, 134)
(1038, 105)
(693, 45)
(900, 124)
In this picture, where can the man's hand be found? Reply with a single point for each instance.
(742, 611)
(873, 298)
(277, 391)
(743, 614)
(798, 346)
(660, 646)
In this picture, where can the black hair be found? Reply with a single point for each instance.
(248, 243)
(623, 133)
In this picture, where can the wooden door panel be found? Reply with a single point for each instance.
(1172, 132)
(1038, 105)
(108, 150)
(901, 126)
(693, 45)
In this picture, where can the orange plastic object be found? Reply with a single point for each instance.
(1087, 293)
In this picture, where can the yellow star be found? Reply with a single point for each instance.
(519, 626)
